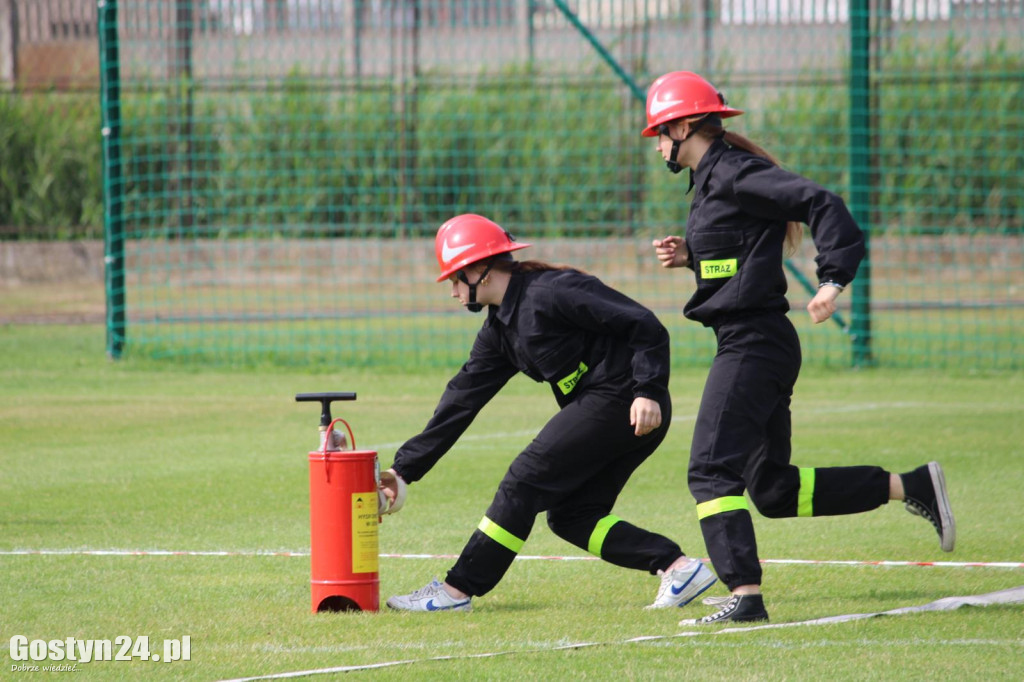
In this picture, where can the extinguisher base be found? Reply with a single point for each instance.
(335, 604)
(339, 596)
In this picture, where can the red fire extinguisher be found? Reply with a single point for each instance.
(343, 516)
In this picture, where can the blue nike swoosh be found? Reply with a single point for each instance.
(675, 592)
(431, 607)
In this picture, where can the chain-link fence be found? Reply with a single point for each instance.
(274, 169)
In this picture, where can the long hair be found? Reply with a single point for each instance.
(507, 264)
(794, 230)
(540, 266)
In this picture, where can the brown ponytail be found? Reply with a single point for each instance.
(509, 265)
(540, 266)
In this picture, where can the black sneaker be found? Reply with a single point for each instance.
(924, 494)
(741, 608)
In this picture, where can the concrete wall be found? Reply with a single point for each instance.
(194, 262)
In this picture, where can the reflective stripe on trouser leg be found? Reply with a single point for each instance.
(597, 538)
(729, 538)
(500, 535)
(805, 495)
(613, 539)
(720, 505)
(732, 547)
(484, 560)
(849, 490)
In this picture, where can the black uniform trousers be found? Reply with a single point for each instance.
(741, 442)
(574, 469)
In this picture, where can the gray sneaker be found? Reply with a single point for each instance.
(924, 495)
(433, 597)
(683, 585)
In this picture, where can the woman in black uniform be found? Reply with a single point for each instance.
(606, 358)
(745, 211)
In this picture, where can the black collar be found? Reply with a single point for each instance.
(708, 161)
(510, 301)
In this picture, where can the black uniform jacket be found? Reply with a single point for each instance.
(560, 326)
(737, 226)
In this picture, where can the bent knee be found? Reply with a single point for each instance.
(563, 522)
(773, 508)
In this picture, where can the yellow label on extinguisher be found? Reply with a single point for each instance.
(365, 548)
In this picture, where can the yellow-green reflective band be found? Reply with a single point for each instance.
(600, 533)
(717, 269)
(500, 535)
(720, 505)
(805, 497)
(567, 384)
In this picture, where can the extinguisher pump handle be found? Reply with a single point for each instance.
(325, 400)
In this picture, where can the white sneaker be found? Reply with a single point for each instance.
(683, 585)
(433, 597)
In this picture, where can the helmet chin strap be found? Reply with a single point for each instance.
(473, 306)
(672, 163)
(673, 157)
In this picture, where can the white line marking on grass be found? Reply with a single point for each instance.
(146, 552)
(941, 564)
(1012, 596)
(862, 642)
(658, 641)
(523, 557)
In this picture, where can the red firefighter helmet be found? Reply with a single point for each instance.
(682, 94)
(468, 238)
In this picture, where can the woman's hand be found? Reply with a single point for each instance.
(391, 492)
(823, 304)
(644, 415)
(672, 252)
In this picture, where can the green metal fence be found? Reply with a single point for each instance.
(274, 170)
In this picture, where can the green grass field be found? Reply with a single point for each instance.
(141, 455)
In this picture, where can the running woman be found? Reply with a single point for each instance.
(745, 212)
